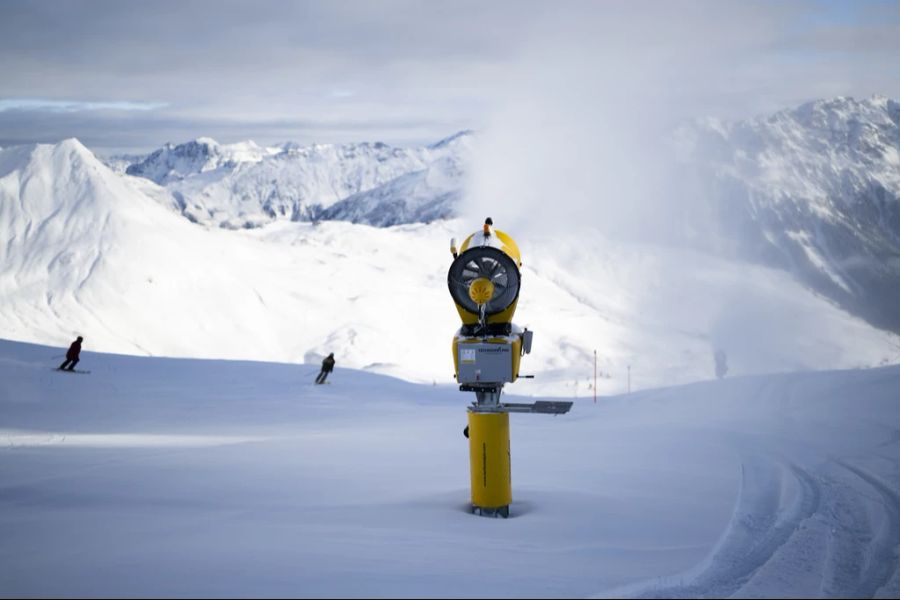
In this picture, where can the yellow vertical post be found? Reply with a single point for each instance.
(489, 461)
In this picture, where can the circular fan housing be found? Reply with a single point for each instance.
(480, 263)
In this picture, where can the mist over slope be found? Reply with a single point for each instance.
(87, 251)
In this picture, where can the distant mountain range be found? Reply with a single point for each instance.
(244, 185)
(240, 251)
(814, 190)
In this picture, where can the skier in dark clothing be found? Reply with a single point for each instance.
(327, 367)
(72, 355)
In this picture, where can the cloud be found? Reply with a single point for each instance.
(579, 126)
(129, 131)
(447, 63)
(70, 106)
(578, 139)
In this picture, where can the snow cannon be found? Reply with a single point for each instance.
(484, 282)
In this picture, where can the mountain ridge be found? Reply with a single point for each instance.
(87, 250)
(232, 187)
(814, 190)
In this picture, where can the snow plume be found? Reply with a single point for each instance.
(580, 130)
(581, 136)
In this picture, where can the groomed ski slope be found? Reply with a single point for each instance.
(165, 477)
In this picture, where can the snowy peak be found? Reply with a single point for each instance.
(836, 114)
(61, 207)
(74, 147)
(460, 137)
(809, 152)
(171, 163)
(50, 175)
(866, 130)
(174, 163)
(65, 187)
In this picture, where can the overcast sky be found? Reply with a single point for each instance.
(134, 75)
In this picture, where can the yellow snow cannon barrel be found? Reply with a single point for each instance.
(486, 273)
(489, 463)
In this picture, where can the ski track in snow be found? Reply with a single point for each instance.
(826, 533)
(895, 438)
(758, 529)
(882, 560)
(811, 528)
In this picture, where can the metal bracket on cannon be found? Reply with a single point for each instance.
(544, 407)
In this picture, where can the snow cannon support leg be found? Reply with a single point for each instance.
(489, 463)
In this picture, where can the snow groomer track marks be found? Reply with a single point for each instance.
(808, 528)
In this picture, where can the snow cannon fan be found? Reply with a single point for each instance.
(484, 282)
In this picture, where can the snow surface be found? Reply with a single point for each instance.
(87, 251)
(186, 478)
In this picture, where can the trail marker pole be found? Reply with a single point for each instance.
(595, 377)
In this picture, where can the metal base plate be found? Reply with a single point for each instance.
(502, 511)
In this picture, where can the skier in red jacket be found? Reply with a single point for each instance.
(72, 355)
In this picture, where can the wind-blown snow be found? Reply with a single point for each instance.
(175, 478)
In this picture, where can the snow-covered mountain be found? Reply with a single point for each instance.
(814, 190)
(419, 197)
(243, 185)
(120, 162)
(87, 251)
(174, 163)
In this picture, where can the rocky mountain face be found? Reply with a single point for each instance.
(814, 190)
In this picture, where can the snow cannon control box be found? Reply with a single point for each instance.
(490, 360)
(481, 362)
